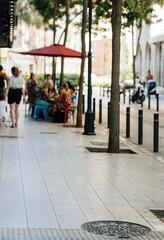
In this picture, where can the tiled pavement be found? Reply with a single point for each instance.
(52, 181)
(64, 234)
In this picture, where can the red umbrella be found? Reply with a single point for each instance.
(55, 50)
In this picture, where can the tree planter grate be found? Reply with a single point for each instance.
(103, 143)
(48, 132)
(6, 136)
(158, 213)
(117, 229)
(69, 126)
(105, 150)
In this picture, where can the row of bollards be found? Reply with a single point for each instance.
(103, 91)
(140, 128)
(140, 122)
(100, 110)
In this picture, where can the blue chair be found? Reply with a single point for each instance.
(37, 110)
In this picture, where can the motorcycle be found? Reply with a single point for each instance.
(138, 95)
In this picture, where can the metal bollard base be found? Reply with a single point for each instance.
(89, 124)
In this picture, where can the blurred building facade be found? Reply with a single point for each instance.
(102, 56)
(150, 55)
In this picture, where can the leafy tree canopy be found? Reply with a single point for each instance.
(28, 13)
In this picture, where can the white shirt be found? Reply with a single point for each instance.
(16, 82)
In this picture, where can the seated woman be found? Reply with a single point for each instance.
(28, 83)
(39, 96)
(72, 94)
(63, 100)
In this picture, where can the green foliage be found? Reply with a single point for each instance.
(28, 13)
(128, 72)
(45, 9)
(136, 11)
(72, 78)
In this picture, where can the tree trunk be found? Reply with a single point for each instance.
(113, 145)
(54, 40)
(135, 55)
(65, 39)
(83, 32)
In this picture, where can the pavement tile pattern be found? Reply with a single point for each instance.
(64, 234)
(51, 181)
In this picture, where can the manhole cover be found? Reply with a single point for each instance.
(117, 229)
(5, 136)
(48, 133)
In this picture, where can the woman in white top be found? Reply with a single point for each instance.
(15, 94)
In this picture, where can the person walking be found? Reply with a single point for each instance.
(3, 114)
(15, 94)
(3, 78)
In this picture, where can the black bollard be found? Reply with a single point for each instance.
(157, 96)
(103, 91)
(156, 132)
(128, 122)
(83, 103)
(129, 96)
(94, 107)
(100, 111)
(140, 127)
(108, 120)
(149, 101)
(142, 93)
(108, 92)
(124, 96)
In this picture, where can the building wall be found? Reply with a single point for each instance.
(102, 57)
(150, 55)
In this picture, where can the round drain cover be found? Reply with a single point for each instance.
(118, 229)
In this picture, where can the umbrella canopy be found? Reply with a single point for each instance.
(55, 50)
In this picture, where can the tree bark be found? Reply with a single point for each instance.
(64, 43)
(69, 23)
(83, 32)
(134, 55)
(114, 143)
(54, 40)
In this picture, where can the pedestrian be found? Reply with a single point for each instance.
(3, 114)
(15, 94)
(149, 76)
(3, 78)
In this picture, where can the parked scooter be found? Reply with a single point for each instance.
(151, 87)
(138, 94)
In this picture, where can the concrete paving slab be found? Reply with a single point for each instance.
(52, 181)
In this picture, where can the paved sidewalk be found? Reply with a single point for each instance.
(50, 180)
(148, 116)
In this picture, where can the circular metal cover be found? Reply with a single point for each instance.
(118, 229)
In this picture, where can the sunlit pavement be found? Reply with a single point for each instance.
(148, 120)
(50, 180)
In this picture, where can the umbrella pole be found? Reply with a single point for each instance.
(53, 70)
